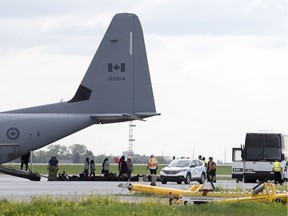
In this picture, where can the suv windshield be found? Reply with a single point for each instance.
(179, 163)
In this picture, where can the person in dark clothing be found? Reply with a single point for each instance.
(212, 170)
(92, 168)
(25, 160)
(105, 167)
(53, 168)
(122, 167)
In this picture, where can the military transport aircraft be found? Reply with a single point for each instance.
(115, 88)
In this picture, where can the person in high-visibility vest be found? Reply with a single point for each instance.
(153, 165)
(277, 172)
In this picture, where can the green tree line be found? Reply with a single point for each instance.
(77, 153)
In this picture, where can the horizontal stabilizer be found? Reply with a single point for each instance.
(133, 117)
(120, 117)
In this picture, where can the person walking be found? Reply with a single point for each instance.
(25, 160)
(122, 167)
(92, 168)
(105, 167)
(153, 165)
(277, 172)
(129, 167)
(211, 170)
(86, 168)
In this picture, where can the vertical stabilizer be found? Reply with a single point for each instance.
(118, 79)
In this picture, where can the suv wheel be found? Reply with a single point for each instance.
(188, 178)
(164, 182)
(202, 180)
(179, 182)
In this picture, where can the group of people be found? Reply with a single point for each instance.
(210, 168)
(91, 166)
(125, 168)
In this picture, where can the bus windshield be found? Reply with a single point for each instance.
(260, 147)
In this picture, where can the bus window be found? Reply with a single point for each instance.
(254, 147)
(254, 153)
(272, 147)
(272, 141)
(253, 140)
(271, 154)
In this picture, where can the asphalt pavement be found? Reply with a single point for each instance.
(14, 188)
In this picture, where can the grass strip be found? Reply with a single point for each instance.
(111, 205)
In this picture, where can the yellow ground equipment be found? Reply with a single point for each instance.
(175, 193)
(197, 194)
(265, 193)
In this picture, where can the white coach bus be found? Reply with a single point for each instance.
(254, 160)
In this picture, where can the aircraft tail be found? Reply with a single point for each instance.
(117, 82)
(118, 79)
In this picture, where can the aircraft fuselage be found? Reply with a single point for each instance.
(20, 133)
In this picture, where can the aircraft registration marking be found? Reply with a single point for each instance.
(114, 78)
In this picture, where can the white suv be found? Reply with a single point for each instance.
(184, 170)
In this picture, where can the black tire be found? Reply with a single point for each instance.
(164, 182)
(203, 178)
(188, 178)
(179, 182)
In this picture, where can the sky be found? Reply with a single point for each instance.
(218, 69)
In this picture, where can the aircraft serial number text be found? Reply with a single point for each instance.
(114, 78)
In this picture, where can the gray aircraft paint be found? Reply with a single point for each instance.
(116, 88)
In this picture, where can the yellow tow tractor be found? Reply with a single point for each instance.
(263, 192)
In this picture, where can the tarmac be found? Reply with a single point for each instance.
(18, 189)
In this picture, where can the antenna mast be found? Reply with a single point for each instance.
(131, 139)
